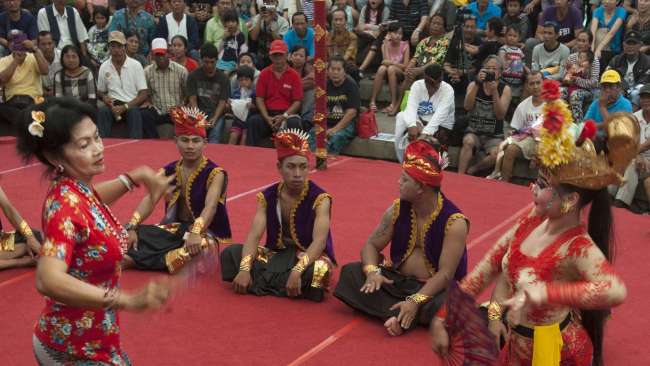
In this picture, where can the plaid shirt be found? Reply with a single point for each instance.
(81, 86)
(166, 88)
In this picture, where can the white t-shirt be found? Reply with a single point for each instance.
(438, 110)
(526, 114)
(125, 86)
(645, 131)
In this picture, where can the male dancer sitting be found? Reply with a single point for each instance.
(17, 248)
(298, 255)
(195, 210)
(427, 233)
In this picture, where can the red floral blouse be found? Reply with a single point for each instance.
(82, 232)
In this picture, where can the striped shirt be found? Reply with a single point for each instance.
(81, 87)
(166, 88)
(409, 15)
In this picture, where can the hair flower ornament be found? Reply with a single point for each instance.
(36, 127)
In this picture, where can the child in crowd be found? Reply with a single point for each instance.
(245, 59)
(98, 37)
(241, 104)
(514, 66)
(395, 52)
(518, 19)
(492, 41)
(580, 70)
(232, 44)
(577, 93)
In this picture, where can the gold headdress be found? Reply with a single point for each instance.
(569, 159)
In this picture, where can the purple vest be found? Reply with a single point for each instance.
(405, 234)
(196, 189)
(301, 223)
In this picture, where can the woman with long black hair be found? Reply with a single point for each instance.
(552, 271)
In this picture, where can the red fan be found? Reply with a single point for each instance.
(470, 341)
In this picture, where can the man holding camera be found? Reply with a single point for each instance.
(268, 26)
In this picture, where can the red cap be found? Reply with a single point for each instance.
(278, 46)
(422, 162)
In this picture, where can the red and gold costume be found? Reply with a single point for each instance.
(573, 270)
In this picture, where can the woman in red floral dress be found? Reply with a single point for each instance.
(552, 271)
(79, 269)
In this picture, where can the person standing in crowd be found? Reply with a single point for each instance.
(64, 24)
(134, 19)
(177, 23)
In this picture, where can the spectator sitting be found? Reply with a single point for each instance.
(633, 65)
(579, 89)
(232, 44)
(133, 19)
(245, 59)
(487, 102)
(342, 42)
(568, 19)
(607, 28)
(396, 56)
(491, 42)
(65, 25)
(179, 53)
(208, 89)
(132, 47)
(241, 104)
(14, 17)
(215, 28)
(123, 92)
(306, 71)
(343, 103)
(300, 34)
(513, 59)
(371, 18)
(177, 23)
(351, 14)
(98, 37)
(484, 10)
(267, 27)
(430, 110)
(278, 96)
(639, 170)
(74, 79)
(53, 57)
(516, 18)
(459, 63)
(201, 10)
(639, 21)
(521, 140)
(611, 100)
(289, 7)
(431, 50)
(166, 81)
(20, 75)
(548, 56)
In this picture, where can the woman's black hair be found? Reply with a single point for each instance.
(65, 50)
(380, 12)
(600, 227)
(61, 116)
(182, 38)
(98, 9)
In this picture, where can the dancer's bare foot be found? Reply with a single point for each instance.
(393, 327)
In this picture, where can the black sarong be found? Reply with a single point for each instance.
(154, 242)
(378, 303)
(270, 276)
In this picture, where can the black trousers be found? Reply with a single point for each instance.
(258, 129)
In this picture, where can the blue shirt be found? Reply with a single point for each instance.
(26, 23)
(619, 13)
(489, 13)
(143, 24)
(622, 104)
(291, 39)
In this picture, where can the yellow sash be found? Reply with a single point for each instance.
(547, 345)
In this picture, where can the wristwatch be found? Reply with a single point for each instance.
(130, 226)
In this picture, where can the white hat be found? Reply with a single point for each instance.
(159, 46)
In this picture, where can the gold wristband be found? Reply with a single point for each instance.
(25, 229)
(494, 311)
(246, 263)
(135, 219)
(302, 264)
(418, 298)
(371, 268)
(197, 227)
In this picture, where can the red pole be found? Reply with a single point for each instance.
(320, 67)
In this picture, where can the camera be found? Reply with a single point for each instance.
(490, 76)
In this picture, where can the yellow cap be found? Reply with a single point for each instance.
(610, 76)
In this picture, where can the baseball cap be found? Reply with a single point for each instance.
(645, 89)
(610, 76)
(278, 46)
(159, 46)
(117, 36)
(632, 37)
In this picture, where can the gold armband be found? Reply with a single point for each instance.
(494, 311)
(25, 229)
(197, 227)
(246, 263)
(418, 298)
(371, 268)
(302, 264)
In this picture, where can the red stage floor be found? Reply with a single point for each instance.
(210, 325)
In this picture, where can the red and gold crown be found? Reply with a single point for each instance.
(424, 163)
(291, 142)
(189, 121)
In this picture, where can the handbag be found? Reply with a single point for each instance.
(367, 125)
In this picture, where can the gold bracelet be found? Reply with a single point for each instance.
(418, 298)
(135, 219)
(197, 227)
(25, 229)
(302, 264)
(246, 263)
(371, 268)
(494, 311)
